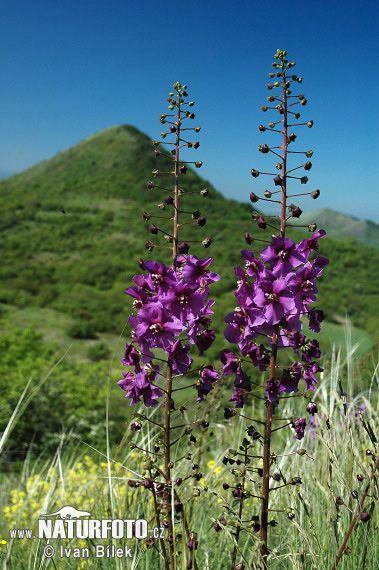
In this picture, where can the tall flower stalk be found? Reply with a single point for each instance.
(274, 293)
(172, 312)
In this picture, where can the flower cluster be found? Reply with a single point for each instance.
(274, 292)
(169, 303)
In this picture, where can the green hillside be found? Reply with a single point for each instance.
(341, 226)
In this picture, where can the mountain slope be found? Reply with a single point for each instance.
(71, 234)
(341, 226)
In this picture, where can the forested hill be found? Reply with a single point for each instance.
(71, 233)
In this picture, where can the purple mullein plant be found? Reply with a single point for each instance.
(171, 314)
(275, 291)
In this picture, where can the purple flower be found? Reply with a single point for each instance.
(312, 408)
(155, 326)
(138, 386)
(311, 350)
(208, 376)
(179, 358)
(316, 316)
(275, 298)
(242, 389)
(204, 340)
(308, 245)
(309, 375)
(283, 255)
(196, 270)
(230, 361)
(273, 389)
(131, 356)
(184, 300)
(299, 426)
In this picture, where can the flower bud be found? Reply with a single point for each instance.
(264, 149)
(201, 221)
(204, 192)
(368, 452)
(269, 86)
(146, 216)
(167, 238)
(253, 197)
(191, 103)
(271, 125)
(254, 173)
(365, 517)
(262, 128)
(150, 185)
(291, 515)
(197, 129)
(310, 124)
(312, 408)
(255, 216)
(148, 484)
(217, 527)
(261, 222)
(163, 135)
(153, 229)
(267, 194)
(183, 248)
(297, 115)
(264, 109)
(278, 180)
(271, 98)
(303, 102)
(225, 486)
(199, 164)
(206, 242)
(179, 481)
(296, 212)
(339, 500)
(360, 477)
(307, 165)
(312, 227)
(304, 179)
(149, 542)
(292, 137)
(183, 169)
(149, 246)
(248, 238)
(354, 494)
(309, 153)
(296, 481)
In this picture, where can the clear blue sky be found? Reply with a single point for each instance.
(71, 68)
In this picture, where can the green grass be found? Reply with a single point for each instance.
(335, 454)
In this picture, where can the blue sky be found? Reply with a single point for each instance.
(72, 68)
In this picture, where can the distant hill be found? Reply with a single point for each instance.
(71, 234)
(341, 226)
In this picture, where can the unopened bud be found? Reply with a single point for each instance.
(248, 238)
(267, 194)
(310, 124)
(304, 179)
(254, 173)
(201, 221)
(206, 242)
(312, 227)
(307, 165)
(149, 246)
(197, 129)
(199, 164)
(309, 153)
(153, 229)
(146, 216)
(183, 248)
(150, 185)
(278, 181)
(183, 169)
(261, 222)
(253, 197)
(262, 128)
(339, 500)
